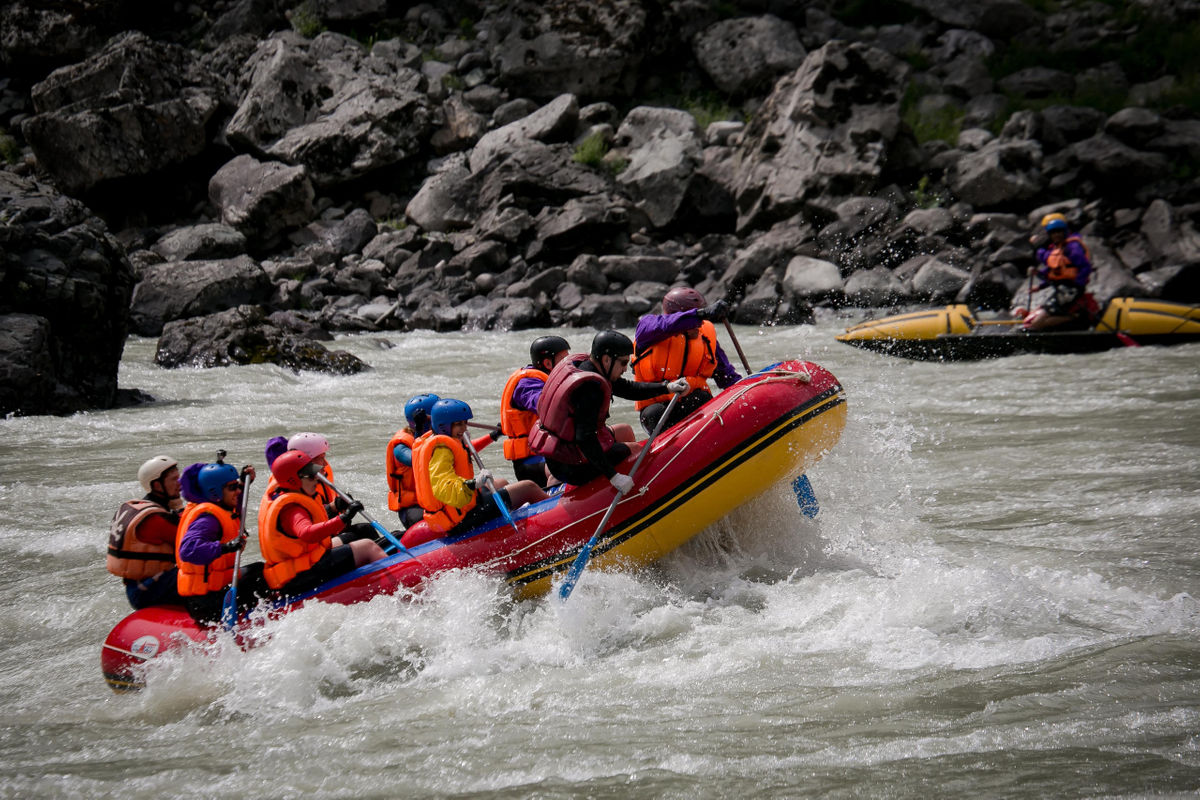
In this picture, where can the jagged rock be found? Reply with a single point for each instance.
(127, 111)
(544, 49)
(873, 287)
(200, 242)
(181, 289)
(627, 269)
(328, 105)
(999, 19)
(602, 311)
(663, 148)
(462, 126)
(826, 129)
(65, 285)
(1073, 123)
(998, 174)
(1135, 127)
(244, 335)
(746, 54)
(1035, 82)
(938, 280)
(261, 199)
(579, 222)
(553, 122)
(1113, 164)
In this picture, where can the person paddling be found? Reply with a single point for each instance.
(518, 407)
(303, 545)
(1065, 266)
(454, 497)
(141, 537)
(209, 537)
(681, 342)
(571, 431)
(398, 459)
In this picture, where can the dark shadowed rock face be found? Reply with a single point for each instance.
(65, 285)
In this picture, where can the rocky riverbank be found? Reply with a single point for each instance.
(243, 179)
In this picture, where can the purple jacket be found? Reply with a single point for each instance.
(656, 327)
(201, 542)
(1075, 253)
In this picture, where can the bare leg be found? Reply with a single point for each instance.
(365, 551)
(523, 492)
(623, 432)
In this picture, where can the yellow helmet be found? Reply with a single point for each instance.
(1053, 222)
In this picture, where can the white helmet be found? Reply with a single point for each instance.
(153, 469)
(313, 445)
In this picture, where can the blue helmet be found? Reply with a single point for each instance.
(447, 412)
(416, 411)
(212, 479)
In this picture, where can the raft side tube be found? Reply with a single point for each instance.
(955, 319)
(1135, 315)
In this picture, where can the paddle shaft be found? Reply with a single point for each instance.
(492, 483)
(737, 346)
(229, 603)
(484, 427)
(581, 560)
(382, 530)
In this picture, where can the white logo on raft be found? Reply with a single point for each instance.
(144, 646)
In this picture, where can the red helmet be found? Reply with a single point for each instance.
(288, 467)
(682, 298)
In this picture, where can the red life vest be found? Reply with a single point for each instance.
(1059, 266)
(554, 434)
(128, 556)
(284, 555)
(199, 579)
(402, 487)
(694, 360)
(439, 516)
(516, 423)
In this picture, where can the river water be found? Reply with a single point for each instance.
(998, 598)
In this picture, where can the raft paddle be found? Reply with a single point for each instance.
(495, 494)
(581, 560)
(229, 604)
(384, 532)
(801, 486)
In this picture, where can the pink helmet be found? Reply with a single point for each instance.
(682, 298)
(314, 445)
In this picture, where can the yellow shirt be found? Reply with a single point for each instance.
(447, 486)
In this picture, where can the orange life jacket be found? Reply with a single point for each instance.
(199, 579)
(1059, 266)
(402, 487)
(516, 423)
(128, 556)
(694, 360)
(439, 516)
(284, 555)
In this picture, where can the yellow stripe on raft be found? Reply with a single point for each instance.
(1135, 315)
(775, 455)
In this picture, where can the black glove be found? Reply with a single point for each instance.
(234, 545)
(470, 485)
(340, 503)
(352, 509)
(496, 434)
(717, 311)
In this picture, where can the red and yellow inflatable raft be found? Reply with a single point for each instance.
(758, 432)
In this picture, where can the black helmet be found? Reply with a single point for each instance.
(611, 343)
(546, 347)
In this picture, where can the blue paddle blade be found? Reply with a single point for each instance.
(805, 497)
(503, 509)
(229, 609)
(386, 534)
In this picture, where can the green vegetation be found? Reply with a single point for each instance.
(10, 151)
(306, 22)
(453, 82)
(924, 198)
(591, 151)
(392, 223)
(944, 123)
(709, 108)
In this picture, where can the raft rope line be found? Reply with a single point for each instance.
(774, 376)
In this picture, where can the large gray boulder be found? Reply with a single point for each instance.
(663, 148)
(553, 122)
(827, 128)
(330, 106)
(999, 19)
(999, 173)
(66, 284)
(746, 54)
(541, 49)
(245, 335)
(181, 289)
(261, 199)
(130, 110)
